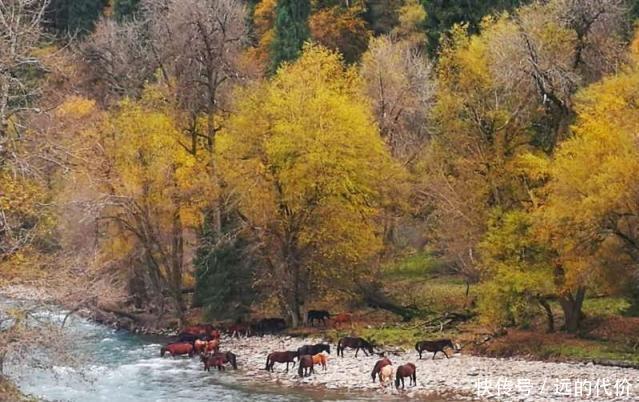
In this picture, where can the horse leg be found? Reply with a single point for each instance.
(356, 351)
(287, 367)
(365, 352)
(434, 355)
(420, 355)
(445, 354)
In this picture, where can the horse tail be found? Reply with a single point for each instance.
(417, 346)
(162, 351)
(268, 359)
(300, 370)
(397, 379)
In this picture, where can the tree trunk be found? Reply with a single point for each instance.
(549, 316)
(571, 306)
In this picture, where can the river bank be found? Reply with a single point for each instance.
(462, 377)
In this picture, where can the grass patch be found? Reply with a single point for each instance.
(605, 306)
(417, 266)
(590, 351)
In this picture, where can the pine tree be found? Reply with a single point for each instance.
(124, 9)
(291, 31)
(74, 16)
(224, 271)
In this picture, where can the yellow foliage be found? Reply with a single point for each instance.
(304, 156)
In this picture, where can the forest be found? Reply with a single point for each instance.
(191, 160)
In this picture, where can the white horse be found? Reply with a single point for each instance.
(386, 375)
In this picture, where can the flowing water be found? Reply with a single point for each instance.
(120, 367)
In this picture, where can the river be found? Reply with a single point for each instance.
(119, 366)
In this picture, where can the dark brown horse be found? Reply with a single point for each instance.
(218, 360)
(238, 329)
(317, 315)
(178, 349)
(280, 357)
(407, 370)
(379, 365)
(434, 346)
(354, 343)
(314, 349)
(305, 367)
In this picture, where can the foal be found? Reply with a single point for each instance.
(379, 366)
(385, 375)
(320, 358)
(407, 370)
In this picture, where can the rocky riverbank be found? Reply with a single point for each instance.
(461, 377)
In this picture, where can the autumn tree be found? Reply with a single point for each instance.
(401, 83)
(591, 216)
(342, 29)
(305, 159)
(290, 31)
(147, 190)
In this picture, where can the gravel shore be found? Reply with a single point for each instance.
(461, 377)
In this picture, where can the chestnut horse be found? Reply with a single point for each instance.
(177, 349)
(305, 368)
(407, 370)
(280, 357)
(342, 318)
(320, 358)
(379, 366)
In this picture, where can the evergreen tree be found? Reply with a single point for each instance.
(124, 9)
(443, 14)
(224, 271)
(74, 16)
(291, 31)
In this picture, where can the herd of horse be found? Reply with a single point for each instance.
(204, 340)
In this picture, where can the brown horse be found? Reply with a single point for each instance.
(407, 370)
(354, 343)
(212, 346)
(434, 346)
(280, 357)
(342, 318)
(178, 349)
(239, 329)
(305, 367)
(200, 346)
(227, 357)
(320, 358)
(379, 366)
(214, 361)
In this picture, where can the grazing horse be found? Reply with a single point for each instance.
(407, 370)
(280, 357)
(219, 358)
(317, 315)
(199, 329)
(320, 358)
(314, 349)
(178, 349)
(305, 367)
(434, 346)
(214, 361)
(379, 366)
(354, 343)
(385, 375)
(343, 318)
